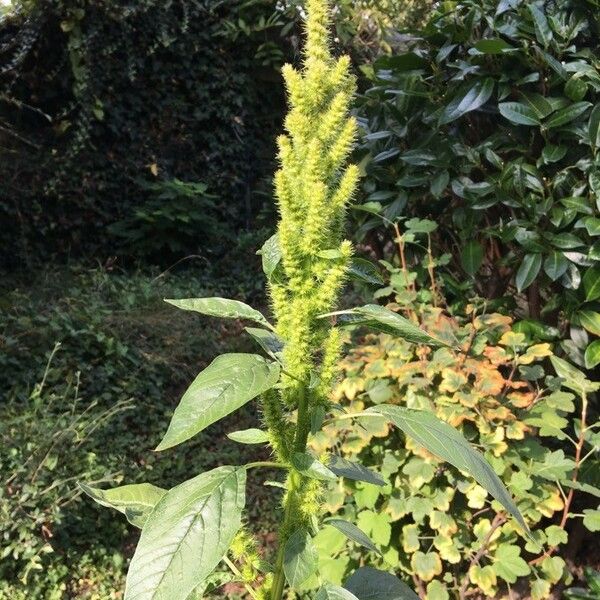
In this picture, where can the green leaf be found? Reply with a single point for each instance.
(538, 103)
(448, 444)
(555, 265)
(574, 379)
(355, 471)
(334, 592)
(221, 307)
(134, 501)
(594, 126)
(249, 436)
(493, 46)
(186, 535)
(528, 271)
(576, 88)
(377, 525)
(271, 255)
(310, 467)
(508, 563)
(589, 320)
(543, 33)
(567, 114)
(365, 271)
(330, 254)
(518, 113)
(351, 531)
(471, 257)
(225, 385)
(477, 95)
(591, 284)
(591, 519)
(592, 355)
(385, 320)
(300, 558)
(592, 226)
(367, 583)
(269, 341)
(552, 153)
(426, 565)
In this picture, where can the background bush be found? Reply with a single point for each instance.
(489, 125)
(102, 101)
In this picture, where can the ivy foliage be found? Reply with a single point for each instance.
(103, 103)
(488, 123)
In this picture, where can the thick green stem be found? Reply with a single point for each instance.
(294, 483)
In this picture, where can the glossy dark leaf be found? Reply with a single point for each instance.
(518, 113)
(555, 265)
(471, 99)
(528, 271)
(566, 115)
(591, 283)
(592, 355)
(471, 257)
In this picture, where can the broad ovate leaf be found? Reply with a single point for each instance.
(309, 466)
(135, 501)
(225, 385)
(574, 379)
(383, 319)
(592, 355)
(186, 535)
(368, 583)
(271, 255)
(300, 558)
(448, 444)
(221, 307)
(528, 271)
(268, 340)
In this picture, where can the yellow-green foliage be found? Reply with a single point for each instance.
(431, 520)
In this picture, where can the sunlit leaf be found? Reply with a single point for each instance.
(186, 535)
(225, 385)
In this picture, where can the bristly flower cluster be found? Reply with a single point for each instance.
(313, 187)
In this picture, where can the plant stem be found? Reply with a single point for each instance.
(294, 480)
(498, 521)
(578, 460)
(237, 573)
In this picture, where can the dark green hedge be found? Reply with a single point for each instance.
(102, 101)
(489, 125)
